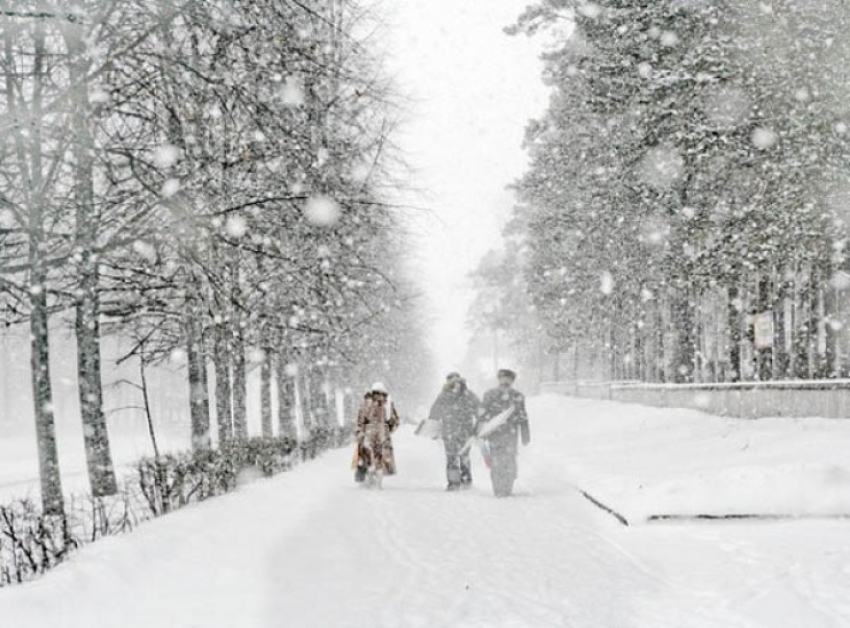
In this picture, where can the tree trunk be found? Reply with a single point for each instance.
(224, 416)
(240, 387)
(764, 357)
(87, 328)
(831, 330)
(303, 384)
(31, 146)
(780, 306)
(682, 317)
(823, 366)
(556, 367)
(800, 329)
(199, 405)
(733, 318)
(95, 435)
(48, 456)
(319, 398)
(351, 408)
(286, 401)
(266, 396)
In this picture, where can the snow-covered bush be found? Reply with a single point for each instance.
(30, 542)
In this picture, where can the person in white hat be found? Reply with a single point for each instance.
(375, 426)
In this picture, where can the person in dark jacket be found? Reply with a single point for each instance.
(504, 419)
(456, 409)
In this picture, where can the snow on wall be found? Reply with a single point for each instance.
(749, 400)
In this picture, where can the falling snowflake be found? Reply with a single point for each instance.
(361, 172)
(166, 155)
(146, 250)
(803, 95)
(590, 10)
(606, 283)
(99, 96)
(668, 39)
(170, 188)
(292, 93)
(236, 227)
(764, 138)
(322, 211)
(256, 355)
(177, 356)
(840, 280)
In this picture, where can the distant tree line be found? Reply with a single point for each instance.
(684, 217)
(211, 180)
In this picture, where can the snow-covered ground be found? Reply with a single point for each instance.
(308, 548)
(647, 461)
(129, 440)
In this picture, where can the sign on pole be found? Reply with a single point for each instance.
(763, 325)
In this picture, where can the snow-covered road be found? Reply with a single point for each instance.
(309, 548)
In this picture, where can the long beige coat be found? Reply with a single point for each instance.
(376, 422)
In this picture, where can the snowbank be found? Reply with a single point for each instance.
(646, 461)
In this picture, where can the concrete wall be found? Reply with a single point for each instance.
(752, 400)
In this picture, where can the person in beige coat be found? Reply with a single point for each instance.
(375, 424)
(358, 463)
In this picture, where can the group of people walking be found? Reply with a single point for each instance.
(497, 423)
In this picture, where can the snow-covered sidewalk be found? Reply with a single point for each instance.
(308, 548)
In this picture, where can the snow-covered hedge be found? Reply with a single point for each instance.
(32, 543)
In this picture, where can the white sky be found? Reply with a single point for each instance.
(474, 89)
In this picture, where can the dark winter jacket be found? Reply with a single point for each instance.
(456, 408)
(497, 401)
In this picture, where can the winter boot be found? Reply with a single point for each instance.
(360, 474)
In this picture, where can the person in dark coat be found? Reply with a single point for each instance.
(502, 435)
(456, 409)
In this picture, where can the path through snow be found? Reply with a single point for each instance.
(309, 548)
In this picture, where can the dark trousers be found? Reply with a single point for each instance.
(458, 467)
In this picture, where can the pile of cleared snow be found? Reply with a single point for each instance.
(645, 462)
